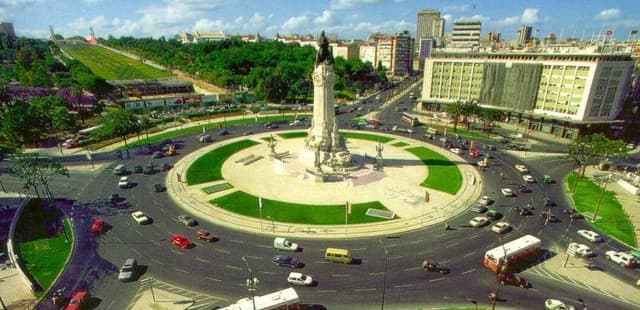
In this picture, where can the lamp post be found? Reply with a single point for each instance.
(273, 226)
(604, 188)
(252, 282)
(384, 273)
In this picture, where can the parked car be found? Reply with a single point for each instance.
(297, 278)
(507, 192)
(512, 279)
(580, 249)
(286, 261)
(181, 241)
(500, 227)
(486, 200)
(493, 215)
(148, 169)
(140, 217)
(205, 236)
(128, 270)
(124, 182)
(78, 301)
(475, 153)
(573, 213)
(522, 168)
(590, 235)
(528, 178)
(435, 267)
(97, 226)
(554, 304)
(478, 221)
(205, 139)
(187, 220)
(137, 169)
(478, 208)
(621, 258)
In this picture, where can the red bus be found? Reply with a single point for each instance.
(512, 253)
(410, 119)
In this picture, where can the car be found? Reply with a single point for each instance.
(78, 301)
(580, 249)
(523, 189)
(486, 200)
(554, 304)
(507, 192)
(478, 221)
(159, 188)
(435, 267)
(156, 154)
(205, 236)
(478, 208)
(483, 163)
(475, 153)
(148, 169)
(187, 220)
(512, 279)
(548, 216)
(573, 214)
(590, 235)
(267, 124)
(522, 168)
(205, 139)
(128, 270)
(97, 226)
(247, 133)
(137, 169)
(621, 258)
(286, 261)
(181, 241)
(493, 214)
(69, 143)
(456, 150)
(140, 217)
(273, 126)
(166, 166)
(523, 210)
(547, 179)
(223, 132)
(297, 278)
(124, 182)
(500, 227)
(528, 178)
(548, 202)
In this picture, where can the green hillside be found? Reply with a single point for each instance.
(113, 66)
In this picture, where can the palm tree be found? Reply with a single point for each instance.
(455, 110)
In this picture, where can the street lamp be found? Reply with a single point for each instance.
(604, 188)
(384, 274)
(273, 225)
(252, 282)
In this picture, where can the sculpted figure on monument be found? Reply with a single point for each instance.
(324, 53)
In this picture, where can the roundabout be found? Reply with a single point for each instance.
(285, 180)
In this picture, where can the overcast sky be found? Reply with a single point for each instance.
(349, 19)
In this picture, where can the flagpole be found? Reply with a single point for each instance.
(260, 208)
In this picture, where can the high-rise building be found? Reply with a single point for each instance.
(430, 24)
(466, 34)
(395, 53)
(524, 35)
(368, 53)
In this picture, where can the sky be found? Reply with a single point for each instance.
(348, 19)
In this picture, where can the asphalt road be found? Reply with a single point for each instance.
(216, 273)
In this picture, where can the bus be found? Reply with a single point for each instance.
(512, 253)
(286, 299)
(410, 119)
(87, 132)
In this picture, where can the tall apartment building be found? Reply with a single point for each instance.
(559, 94)
(395, 53)
(368, 53)
(347, 51)
(466, 34)
(429, 25)
(524, 35)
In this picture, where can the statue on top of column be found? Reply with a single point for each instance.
(324, 53)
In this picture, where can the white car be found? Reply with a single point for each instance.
(554, 304)
(124, 182)
(581, 249)
(590, 235)
(478, 221)
(483, 163)
(486, 200)
(500, 227)
(139, 217)
(298, 278)
(507, 192)
(456, 150)
(528, 178)
(621, 258)
(522, 168)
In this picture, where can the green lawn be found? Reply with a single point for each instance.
(113, 66)
(365, 136)
(293, 135)
(400, 144)
(44, 253)
(614, 222)
(246, 204)
(444, 175)
(208, 167)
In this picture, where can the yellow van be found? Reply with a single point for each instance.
(338, 256)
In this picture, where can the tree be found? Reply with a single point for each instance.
(584, 150)
(469, 108)
(36, 171)
(455, 110)
(118, 123)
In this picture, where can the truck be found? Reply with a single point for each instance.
(285, 244)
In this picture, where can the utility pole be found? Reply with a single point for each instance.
(252, 282)
(384, 274)
(604, 188)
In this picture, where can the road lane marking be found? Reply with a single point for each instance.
(452, 245)
(474, 236)
(376, 273)
(137, 252)
(138, 232)
(395, 257)
(213, 279)
(469, 254)
(468, 271)
(326, 291)
(264, 246)
(156, 243)
(237, 241)
(162, 210)
(445, 261)
(157, 261)
(404, 285)
(182, 270)
(110, 304)
(254, 257)
(233, 267)
(410, 269)
(203, 260)
(179, 253)
(223, 251)
(358, 249)
(364, 289)
(267, 272)
(340, 275)
(438, 279)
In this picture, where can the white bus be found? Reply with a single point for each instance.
(512, 253)
(286, 299)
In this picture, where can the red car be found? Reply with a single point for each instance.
(512, 279)
(205, 236)
(475, 153)
(97, 226)
(79, 300)
(181, 241)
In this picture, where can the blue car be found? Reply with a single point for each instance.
(287, 261)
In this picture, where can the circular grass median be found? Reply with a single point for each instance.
(208, 167)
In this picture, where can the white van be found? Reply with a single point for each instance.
(284, 244)
(120, 169)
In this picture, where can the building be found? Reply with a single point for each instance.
(524, 35)
(368, 53)
(429, 25)
(201, 37)
(558, 94)
(466, 34)
(348, 51)
(425, 46)
(395, 53)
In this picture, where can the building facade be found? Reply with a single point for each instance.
(368, 53)
(559, 94)
(524, 35)
(348, 51)
(466, 34)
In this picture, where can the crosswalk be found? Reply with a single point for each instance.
(200, 300)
